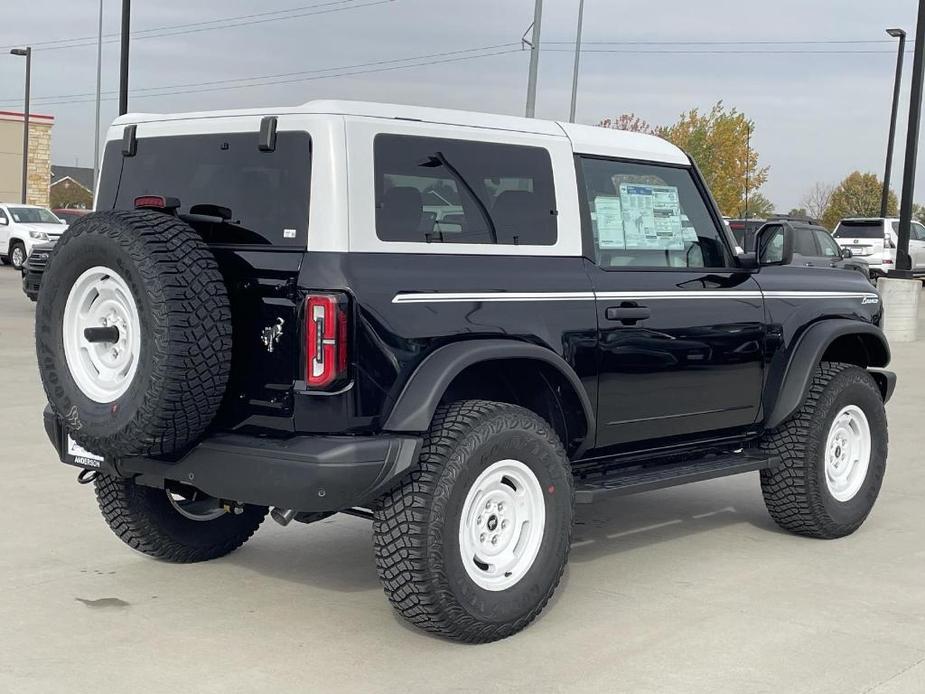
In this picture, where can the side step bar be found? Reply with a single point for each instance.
(630, 480)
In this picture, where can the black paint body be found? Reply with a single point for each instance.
(695, 370)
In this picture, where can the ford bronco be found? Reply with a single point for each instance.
(457, 325)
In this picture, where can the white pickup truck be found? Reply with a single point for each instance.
(22, 227)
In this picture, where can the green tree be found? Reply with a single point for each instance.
(857, 196)
(918, 212)
(69, 194)
(758, 206)
(719, 141)
(798, 212)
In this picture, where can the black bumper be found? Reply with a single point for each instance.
(303, 473)
(31, 280)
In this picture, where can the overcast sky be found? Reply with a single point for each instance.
(818, 115)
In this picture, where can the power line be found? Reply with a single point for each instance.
(211, 25)
(698, 51)
(726, 43)
(346, 71)
(233, 81)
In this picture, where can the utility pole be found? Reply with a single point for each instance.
(99, 80)
(581, 13)
(748, 155)
(885, 197)
(903, 261)
(27, 54)
(123, 59)
(534, 58)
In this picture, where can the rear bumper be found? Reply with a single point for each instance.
(303, 473)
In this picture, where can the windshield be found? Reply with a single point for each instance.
(33, 215)
(859, 230)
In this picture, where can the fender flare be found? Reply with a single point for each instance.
(807, 354)
(414, 409)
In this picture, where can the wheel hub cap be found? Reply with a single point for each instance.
(847, 453)
(100, 298)
(501, 526)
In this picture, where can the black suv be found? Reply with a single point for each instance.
(813, 246)
(456, 325)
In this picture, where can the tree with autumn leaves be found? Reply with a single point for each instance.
(719, 141)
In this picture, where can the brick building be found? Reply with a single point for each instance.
(39, 176)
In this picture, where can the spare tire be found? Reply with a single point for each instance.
(133, 333)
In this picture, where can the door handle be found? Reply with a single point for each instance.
(628, 315)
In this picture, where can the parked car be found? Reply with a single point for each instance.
(813, 246)
(69, 215)
(744, 231)
(874, 241)
(33, 269)
(269, 313)
(24, 226)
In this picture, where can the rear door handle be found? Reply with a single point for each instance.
(628, 315)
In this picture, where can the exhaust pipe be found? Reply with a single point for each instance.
(283, 516)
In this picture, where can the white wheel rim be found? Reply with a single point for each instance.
(501, 526)
(847, 453)
(100, 298)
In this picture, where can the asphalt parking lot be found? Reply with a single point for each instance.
(686, 590)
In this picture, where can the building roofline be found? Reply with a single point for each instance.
(21, 115)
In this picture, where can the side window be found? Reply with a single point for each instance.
(827, 244)
(803, 243)
(3, 217)
(435, 190)
(917, 232)
(649, 215)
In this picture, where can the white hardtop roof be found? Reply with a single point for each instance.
(586, 139)
(22, 204)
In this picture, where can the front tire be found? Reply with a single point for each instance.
(833, 455)
(147, 520)
(17, 255)
(473, 541)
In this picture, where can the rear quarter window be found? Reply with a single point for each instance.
(267, 192)
(440, 190)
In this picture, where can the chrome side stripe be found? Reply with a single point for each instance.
(731, 294)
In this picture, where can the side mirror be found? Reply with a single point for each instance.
(846, 253)
(775, 244)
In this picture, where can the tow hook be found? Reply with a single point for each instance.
(283, 516)
(87, 476)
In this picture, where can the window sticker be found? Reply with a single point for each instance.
(651, 217)
(609, 214)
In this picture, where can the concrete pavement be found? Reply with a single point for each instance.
(691, 589)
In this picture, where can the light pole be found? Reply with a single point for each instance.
(748, 156)
(534, 58)
(903, 261)
(27, 54)
(123, 58)
(885, 198)
(99, 80)
(581, 14)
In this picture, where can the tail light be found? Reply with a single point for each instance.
(325, 341)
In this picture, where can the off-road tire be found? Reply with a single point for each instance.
(13, 246)
(144, 519)
(185, 333)
(416, 525)
(795, 491)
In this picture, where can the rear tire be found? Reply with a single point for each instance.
(833, 455)
(473, 541)
(145, 519)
